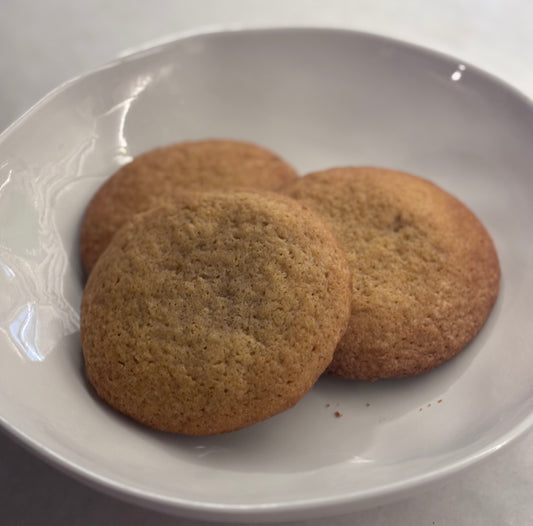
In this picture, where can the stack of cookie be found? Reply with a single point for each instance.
(222, 285)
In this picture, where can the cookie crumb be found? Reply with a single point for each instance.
(368, 404)
(337, 414)
(420, 409)
(328, 405)
(439, 401)
(429, 405)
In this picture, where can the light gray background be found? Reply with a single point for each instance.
(45, 43)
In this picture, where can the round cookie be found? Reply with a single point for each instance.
(214, 314)
(160, 175)
(425, 270)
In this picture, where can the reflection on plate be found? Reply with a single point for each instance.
(320, 98)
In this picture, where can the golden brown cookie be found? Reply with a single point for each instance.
(214, 314)
(160, 175)
(425, 270)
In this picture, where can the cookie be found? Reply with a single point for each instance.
(214, 314)
(161, 174)
(425, 270)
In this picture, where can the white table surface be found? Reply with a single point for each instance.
(45, 43)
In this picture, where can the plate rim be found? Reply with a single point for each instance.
(153, 46)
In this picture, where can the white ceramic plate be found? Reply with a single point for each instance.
(320, 98)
